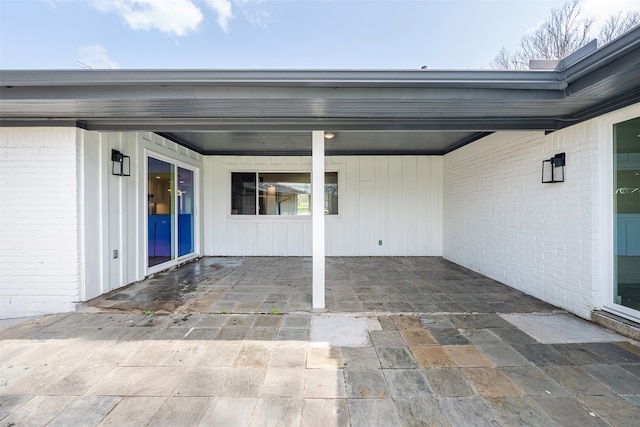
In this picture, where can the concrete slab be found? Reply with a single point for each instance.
(339, 331)
(560, 328)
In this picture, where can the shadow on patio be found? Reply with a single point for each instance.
(353, 285)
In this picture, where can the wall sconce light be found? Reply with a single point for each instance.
(329, 135)
(121, 164)
(553, 169)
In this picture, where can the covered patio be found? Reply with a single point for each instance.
(372, 285)
(447, 167)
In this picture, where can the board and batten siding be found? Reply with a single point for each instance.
(393, 199)
(114, 209)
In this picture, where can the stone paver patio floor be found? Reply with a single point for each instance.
(263, 369)
(233, 342)
(353, 285)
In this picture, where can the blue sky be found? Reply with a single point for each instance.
(268, 34)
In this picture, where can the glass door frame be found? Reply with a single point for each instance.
(607, 214)
(196, 217)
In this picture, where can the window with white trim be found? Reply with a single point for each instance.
(279, 193)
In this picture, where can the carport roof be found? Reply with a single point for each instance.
(271, 112)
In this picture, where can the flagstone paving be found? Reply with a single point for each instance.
(230, 369)
(234, 342)
(353, 285)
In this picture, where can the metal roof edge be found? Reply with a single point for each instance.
(618, 48)
(327, 78)
(528, 79)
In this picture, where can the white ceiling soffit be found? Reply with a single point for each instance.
(371, 112)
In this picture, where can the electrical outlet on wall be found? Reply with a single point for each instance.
(115, 253)
(379, 242)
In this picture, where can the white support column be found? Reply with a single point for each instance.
(317, 197)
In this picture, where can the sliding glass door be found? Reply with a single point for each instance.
(171, 212)
(626, 180)
(186, 211)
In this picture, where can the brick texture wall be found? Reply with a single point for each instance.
(500, 220)
(39, 267)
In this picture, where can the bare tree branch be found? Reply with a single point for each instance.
(618, 24)
(562, 34)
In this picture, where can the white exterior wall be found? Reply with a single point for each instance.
(63, 213)
(396, 199)
(548, 240)
(39, 235)
(115, 208)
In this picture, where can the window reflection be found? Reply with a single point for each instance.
(627, 213)
(285, 193)
(161, 212)
(275, 193)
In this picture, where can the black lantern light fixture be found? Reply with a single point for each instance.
(120, 164)
(553, 169)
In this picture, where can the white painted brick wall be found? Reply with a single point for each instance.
(500, 220)
(39, 268)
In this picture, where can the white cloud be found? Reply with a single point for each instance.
(95, 56)
(223, 9)
(177, 17)
(259, 18)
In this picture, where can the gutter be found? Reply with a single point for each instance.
(626, 44)
(547, 80)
